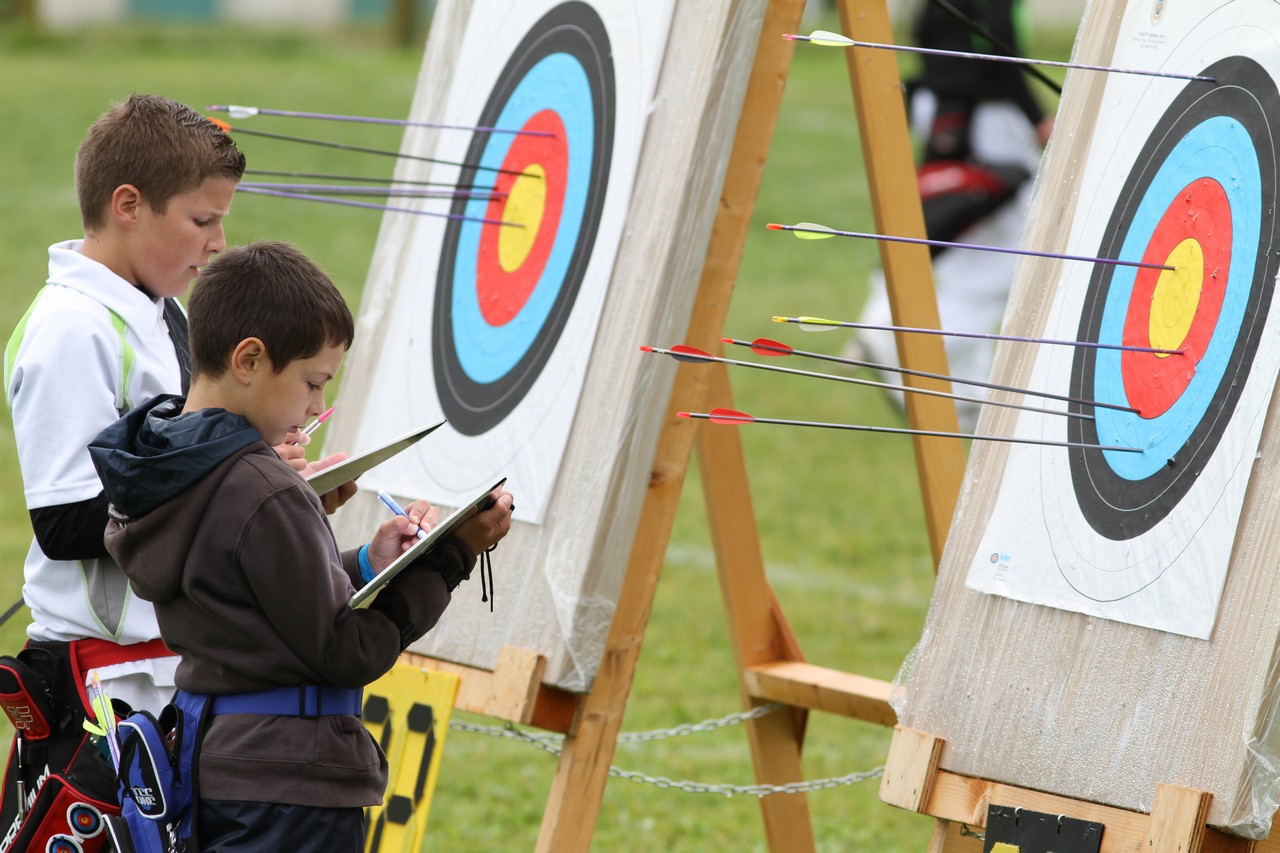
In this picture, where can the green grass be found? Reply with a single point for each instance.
(839, 514)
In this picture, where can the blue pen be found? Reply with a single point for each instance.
(391, 504)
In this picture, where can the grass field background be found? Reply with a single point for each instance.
(839, 513)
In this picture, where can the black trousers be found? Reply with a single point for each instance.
(239, 826)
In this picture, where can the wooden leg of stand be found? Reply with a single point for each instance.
(758, 632)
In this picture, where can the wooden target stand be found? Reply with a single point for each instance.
(961, 805)
(771, 667)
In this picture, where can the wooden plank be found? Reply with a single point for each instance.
(1177, 819)
(758, 631)
(908, 270)
(510, 693)
(965, 799)
(910, 770)
(514, 686)
(804, 685)
(578, 786)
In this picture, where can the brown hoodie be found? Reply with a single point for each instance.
(250, 589)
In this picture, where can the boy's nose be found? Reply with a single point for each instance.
(218, 243)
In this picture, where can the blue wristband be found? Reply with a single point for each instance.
(366, 568)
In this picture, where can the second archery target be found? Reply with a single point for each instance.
(1143, 532)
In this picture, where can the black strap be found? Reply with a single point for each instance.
(176, 320)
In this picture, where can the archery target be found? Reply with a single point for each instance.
(1138, 524)
(505, 291)
(495, 311)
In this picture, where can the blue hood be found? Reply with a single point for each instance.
(155, 452)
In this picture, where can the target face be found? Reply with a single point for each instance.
(1195, 201)
(488, 319)
(1138, 520)
(505, 291)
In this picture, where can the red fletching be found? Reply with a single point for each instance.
(683, 352)
(767, 346)
(729, 416)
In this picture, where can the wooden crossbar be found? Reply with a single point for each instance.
(816, 688)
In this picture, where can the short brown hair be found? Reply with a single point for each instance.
(267, 290)
(160, 146)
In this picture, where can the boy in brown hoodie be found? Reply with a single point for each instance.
(236, 553)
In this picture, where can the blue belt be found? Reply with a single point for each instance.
(308, 700)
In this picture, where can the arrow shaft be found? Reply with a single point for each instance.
(373, 120)
(939, 376)
(975, 246)
(343, 146)
(843, 324)
(384, 192)
(854, 380)
(1020, 60)
(371, 206)
(906, 431)
(364, 179)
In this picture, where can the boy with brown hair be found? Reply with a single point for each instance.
(236, 554)
(155, 180)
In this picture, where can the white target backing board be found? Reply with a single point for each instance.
(494, 322)
(1107, 620)
(1142, 531)
(517, 311)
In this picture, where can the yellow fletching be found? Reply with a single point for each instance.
(816, 324)
(812, 231)
(826, 38)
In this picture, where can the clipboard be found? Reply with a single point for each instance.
(443, 529)
(348, 469)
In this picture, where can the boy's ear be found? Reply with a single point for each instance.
(125, 204)
(249, 359)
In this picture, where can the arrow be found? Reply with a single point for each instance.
(813, 231)
(765, 346)
(730, 417)
(239, 112)
(370, 206)
(342, 146)
(682, 352)
(382, 192)
(818, 324)
(825, 38)
(357, 178)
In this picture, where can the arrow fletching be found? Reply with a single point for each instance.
(728, 417)
(812, 231)
(826, 38)
(768, 346)
(683, 352)
(816, 324)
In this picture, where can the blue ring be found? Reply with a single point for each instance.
(1217, 148)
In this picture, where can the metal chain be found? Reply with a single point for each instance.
(552, 743)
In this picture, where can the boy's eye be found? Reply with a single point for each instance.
(203, 222)
(313, 386)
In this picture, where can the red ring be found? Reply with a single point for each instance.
(1201, 211)
(503, 294)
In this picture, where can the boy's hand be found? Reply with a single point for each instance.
(294, 454)
(397, 534)
(334, 498)
(485, 529)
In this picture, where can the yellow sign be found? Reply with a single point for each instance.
(407, 711)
